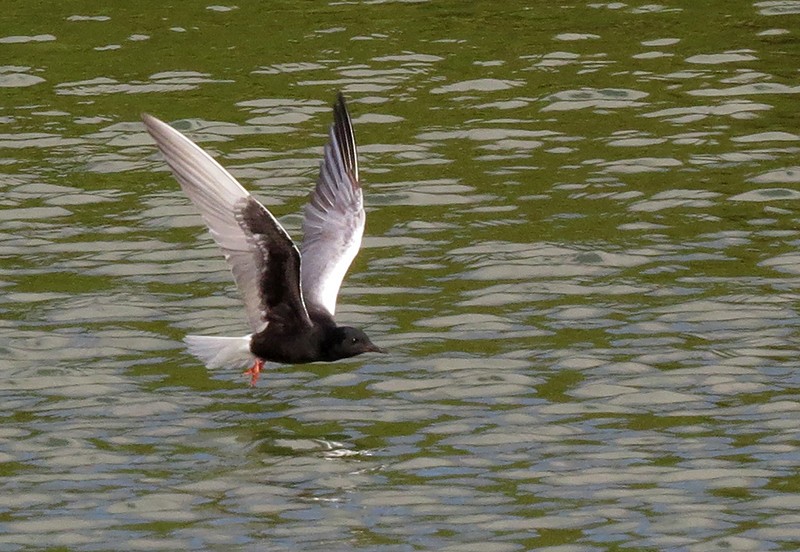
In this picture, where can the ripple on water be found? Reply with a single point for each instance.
(18, 77)
(788, 175)
(778, 7)
(788, 263)
(724, 57)
(671, 199)
(504, 261)
(626, 377)
(735, 109)
(606, 98)
(478, 85)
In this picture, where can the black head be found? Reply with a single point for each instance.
(345, 342)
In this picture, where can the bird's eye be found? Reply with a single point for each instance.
(354, 340)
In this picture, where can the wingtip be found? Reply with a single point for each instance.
(341, 115)
(152, 123)
(343, 129)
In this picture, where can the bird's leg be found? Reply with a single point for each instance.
(254, 371)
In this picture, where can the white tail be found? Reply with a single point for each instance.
(216, 352)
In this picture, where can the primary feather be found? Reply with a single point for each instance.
(334, 216)
(244, 229)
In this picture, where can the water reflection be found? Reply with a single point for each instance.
(581, 252)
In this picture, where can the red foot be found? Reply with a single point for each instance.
(254, 371)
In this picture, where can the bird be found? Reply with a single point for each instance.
(289, 292)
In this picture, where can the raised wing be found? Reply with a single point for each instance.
(264, 261)
(334, 216)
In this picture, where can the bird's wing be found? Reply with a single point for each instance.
(334, 216)
(264, 261)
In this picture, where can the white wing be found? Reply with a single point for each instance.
(221, 201)
(334, 216)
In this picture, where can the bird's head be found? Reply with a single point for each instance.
(345, 342)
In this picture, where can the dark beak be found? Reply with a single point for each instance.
(372, 348)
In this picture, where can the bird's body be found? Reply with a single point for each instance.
(291, 311)
(275, 344)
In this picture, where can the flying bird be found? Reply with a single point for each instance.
(289, 292)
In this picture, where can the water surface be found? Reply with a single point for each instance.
(581, 250)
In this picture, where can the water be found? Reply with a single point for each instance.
(581, 250)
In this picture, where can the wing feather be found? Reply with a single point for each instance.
(254, 243)
(334, 216)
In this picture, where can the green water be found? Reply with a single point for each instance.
(581, 250)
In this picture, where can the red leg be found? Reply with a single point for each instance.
(254, 371)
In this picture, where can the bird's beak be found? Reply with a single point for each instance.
(375, 349)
